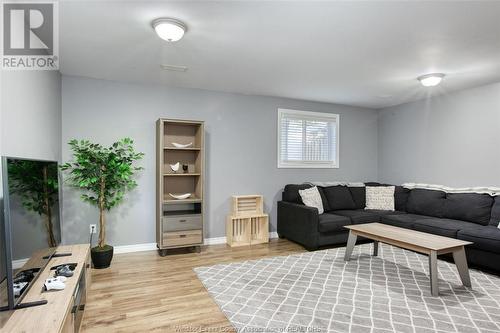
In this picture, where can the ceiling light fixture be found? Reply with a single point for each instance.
(431, 80)
(169, 29)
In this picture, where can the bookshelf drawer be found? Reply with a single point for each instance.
(186, 237)
(182, 222)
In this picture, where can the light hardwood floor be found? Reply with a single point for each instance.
(143, 292)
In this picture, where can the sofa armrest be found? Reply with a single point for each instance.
(299, 223)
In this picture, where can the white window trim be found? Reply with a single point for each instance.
(304, 164)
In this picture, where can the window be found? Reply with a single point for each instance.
(307, 139)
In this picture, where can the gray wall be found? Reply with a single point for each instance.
(31, 114)
(240, 144)
(451, 139)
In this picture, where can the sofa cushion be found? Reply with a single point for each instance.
(332, 222)
(485, 238)
(442, 227)
(495, 212)
(401, 220)
(339, 197)
(291, 194)
(326, 205)
(426, 202)
(384, 212)
(401, 195)
(365, 216)
(375, 184)
(359, 216)
(472, 207)
(359, 196)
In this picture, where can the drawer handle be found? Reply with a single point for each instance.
(87, 266)
(74, 308)
(182, 220)
(182, 236)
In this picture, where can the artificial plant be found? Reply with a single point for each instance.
(36, 184)
(104, 173)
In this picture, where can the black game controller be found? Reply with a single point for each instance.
(26, 275)
(65, 270)
(71, 266)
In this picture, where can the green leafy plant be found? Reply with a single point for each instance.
(36, 184)
(104, 173)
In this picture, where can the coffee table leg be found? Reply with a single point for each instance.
(375, 248)
(351, 241)
(462, 268)
(433, 270)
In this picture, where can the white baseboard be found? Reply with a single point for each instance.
(135, 248)
(215, 240)
(222, 240)
(16, 264)
(152, 246)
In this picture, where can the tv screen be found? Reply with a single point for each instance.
(31, 228)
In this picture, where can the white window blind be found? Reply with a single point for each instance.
(307, 139)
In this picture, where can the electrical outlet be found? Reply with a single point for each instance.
(93, 228)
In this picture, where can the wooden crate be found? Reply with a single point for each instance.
(259, 229)
(237, 231)
(247, 205)
(247, 230)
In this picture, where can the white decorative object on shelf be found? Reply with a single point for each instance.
(180, 196)
(175, 167)
(178, 145)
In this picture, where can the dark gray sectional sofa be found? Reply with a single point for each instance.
(467, 216)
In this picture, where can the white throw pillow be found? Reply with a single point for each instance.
(312, 198)
(380, 197)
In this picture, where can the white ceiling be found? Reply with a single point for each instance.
(356, 53)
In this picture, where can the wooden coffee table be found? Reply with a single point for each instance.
(421, 242)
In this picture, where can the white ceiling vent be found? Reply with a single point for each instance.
(174, 68)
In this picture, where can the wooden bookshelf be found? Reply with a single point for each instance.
(179, 222)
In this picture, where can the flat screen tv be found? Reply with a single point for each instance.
(30, 230)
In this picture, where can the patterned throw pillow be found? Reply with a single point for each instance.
(380, 197)
(312, 198)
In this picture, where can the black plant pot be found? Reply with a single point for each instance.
(101, 257)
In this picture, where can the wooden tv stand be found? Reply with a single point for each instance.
(60, 314)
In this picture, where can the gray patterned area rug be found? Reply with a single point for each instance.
(319, 292)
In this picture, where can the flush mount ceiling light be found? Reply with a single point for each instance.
(431, 80)
(169, 29)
